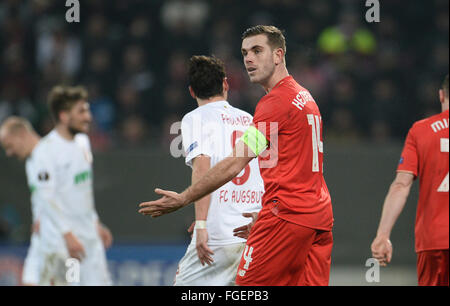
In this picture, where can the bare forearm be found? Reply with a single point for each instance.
(201, 205)
(393, 205)
(216, 177)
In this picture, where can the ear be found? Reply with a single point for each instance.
(441, 96)
(225, 85)
(278, 56)
(63, 117)
(191, 91)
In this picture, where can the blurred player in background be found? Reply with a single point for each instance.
(209, 135)
(425, 155)
(291, 241)
(64, 160)
(59, 172)
(19, 140)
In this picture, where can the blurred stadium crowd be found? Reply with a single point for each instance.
(371, 81)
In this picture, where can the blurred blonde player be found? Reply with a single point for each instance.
(19, 140)
(209, 134)
(60, 173)
(425, 156)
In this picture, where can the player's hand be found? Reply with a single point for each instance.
(35, 227)
(74, 246)
(203, 251)
(244, 230)
(105, 235)
(170, 202)
(382, 250)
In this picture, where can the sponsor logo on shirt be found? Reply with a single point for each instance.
(82, 177)
(192, 147)
(43, 176)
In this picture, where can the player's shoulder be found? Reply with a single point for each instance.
(269, 103)
(240, 112)
(45, 145)
(44, 150)
(82, 139)
(426, 122)
(274, 103)
(188, 117)
(195, 113)
(284, 90)
(202, 114)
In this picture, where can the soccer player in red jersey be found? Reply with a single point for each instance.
(425, 155)
(290, 243)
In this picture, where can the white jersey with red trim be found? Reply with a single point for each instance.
(213, 130)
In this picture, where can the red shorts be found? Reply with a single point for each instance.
(432, 268)
(281, 253)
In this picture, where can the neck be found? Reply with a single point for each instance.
(64, 132)
(445, 106)
(210, 100)
(280, 73)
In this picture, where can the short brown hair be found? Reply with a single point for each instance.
(63, 98)
(274, 35)
(445, 85)
(206, 75)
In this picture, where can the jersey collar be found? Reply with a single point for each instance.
(216, 104)
(282, 81)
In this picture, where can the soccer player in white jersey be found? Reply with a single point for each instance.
(63, 160)
(60, 173)
(209, 133)
(19, 139)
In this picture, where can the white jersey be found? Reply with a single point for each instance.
(59, 174)
(212, 130)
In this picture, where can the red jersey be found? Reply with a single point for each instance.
(426, 155)
(295, 188)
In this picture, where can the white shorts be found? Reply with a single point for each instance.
(91, 271)
(33, 262)
(94, 267)
(222, 272)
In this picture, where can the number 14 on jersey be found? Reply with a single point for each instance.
(317, 145)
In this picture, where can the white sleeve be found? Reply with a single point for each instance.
(197, 137)
(44, 178)
(36, 206)
(91, 160)
(85, 142)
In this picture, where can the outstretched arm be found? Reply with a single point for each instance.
(393, 205)
(217, 176)
(200, 165)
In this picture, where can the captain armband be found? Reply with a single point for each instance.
(255, 140)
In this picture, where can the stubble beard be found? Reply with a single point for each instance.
(74, 130)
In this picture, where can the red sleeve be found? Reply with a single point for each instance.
(269, 116)
(409, 160)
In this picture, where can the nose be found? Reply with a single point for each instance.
(88, 116)
(248, 59)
